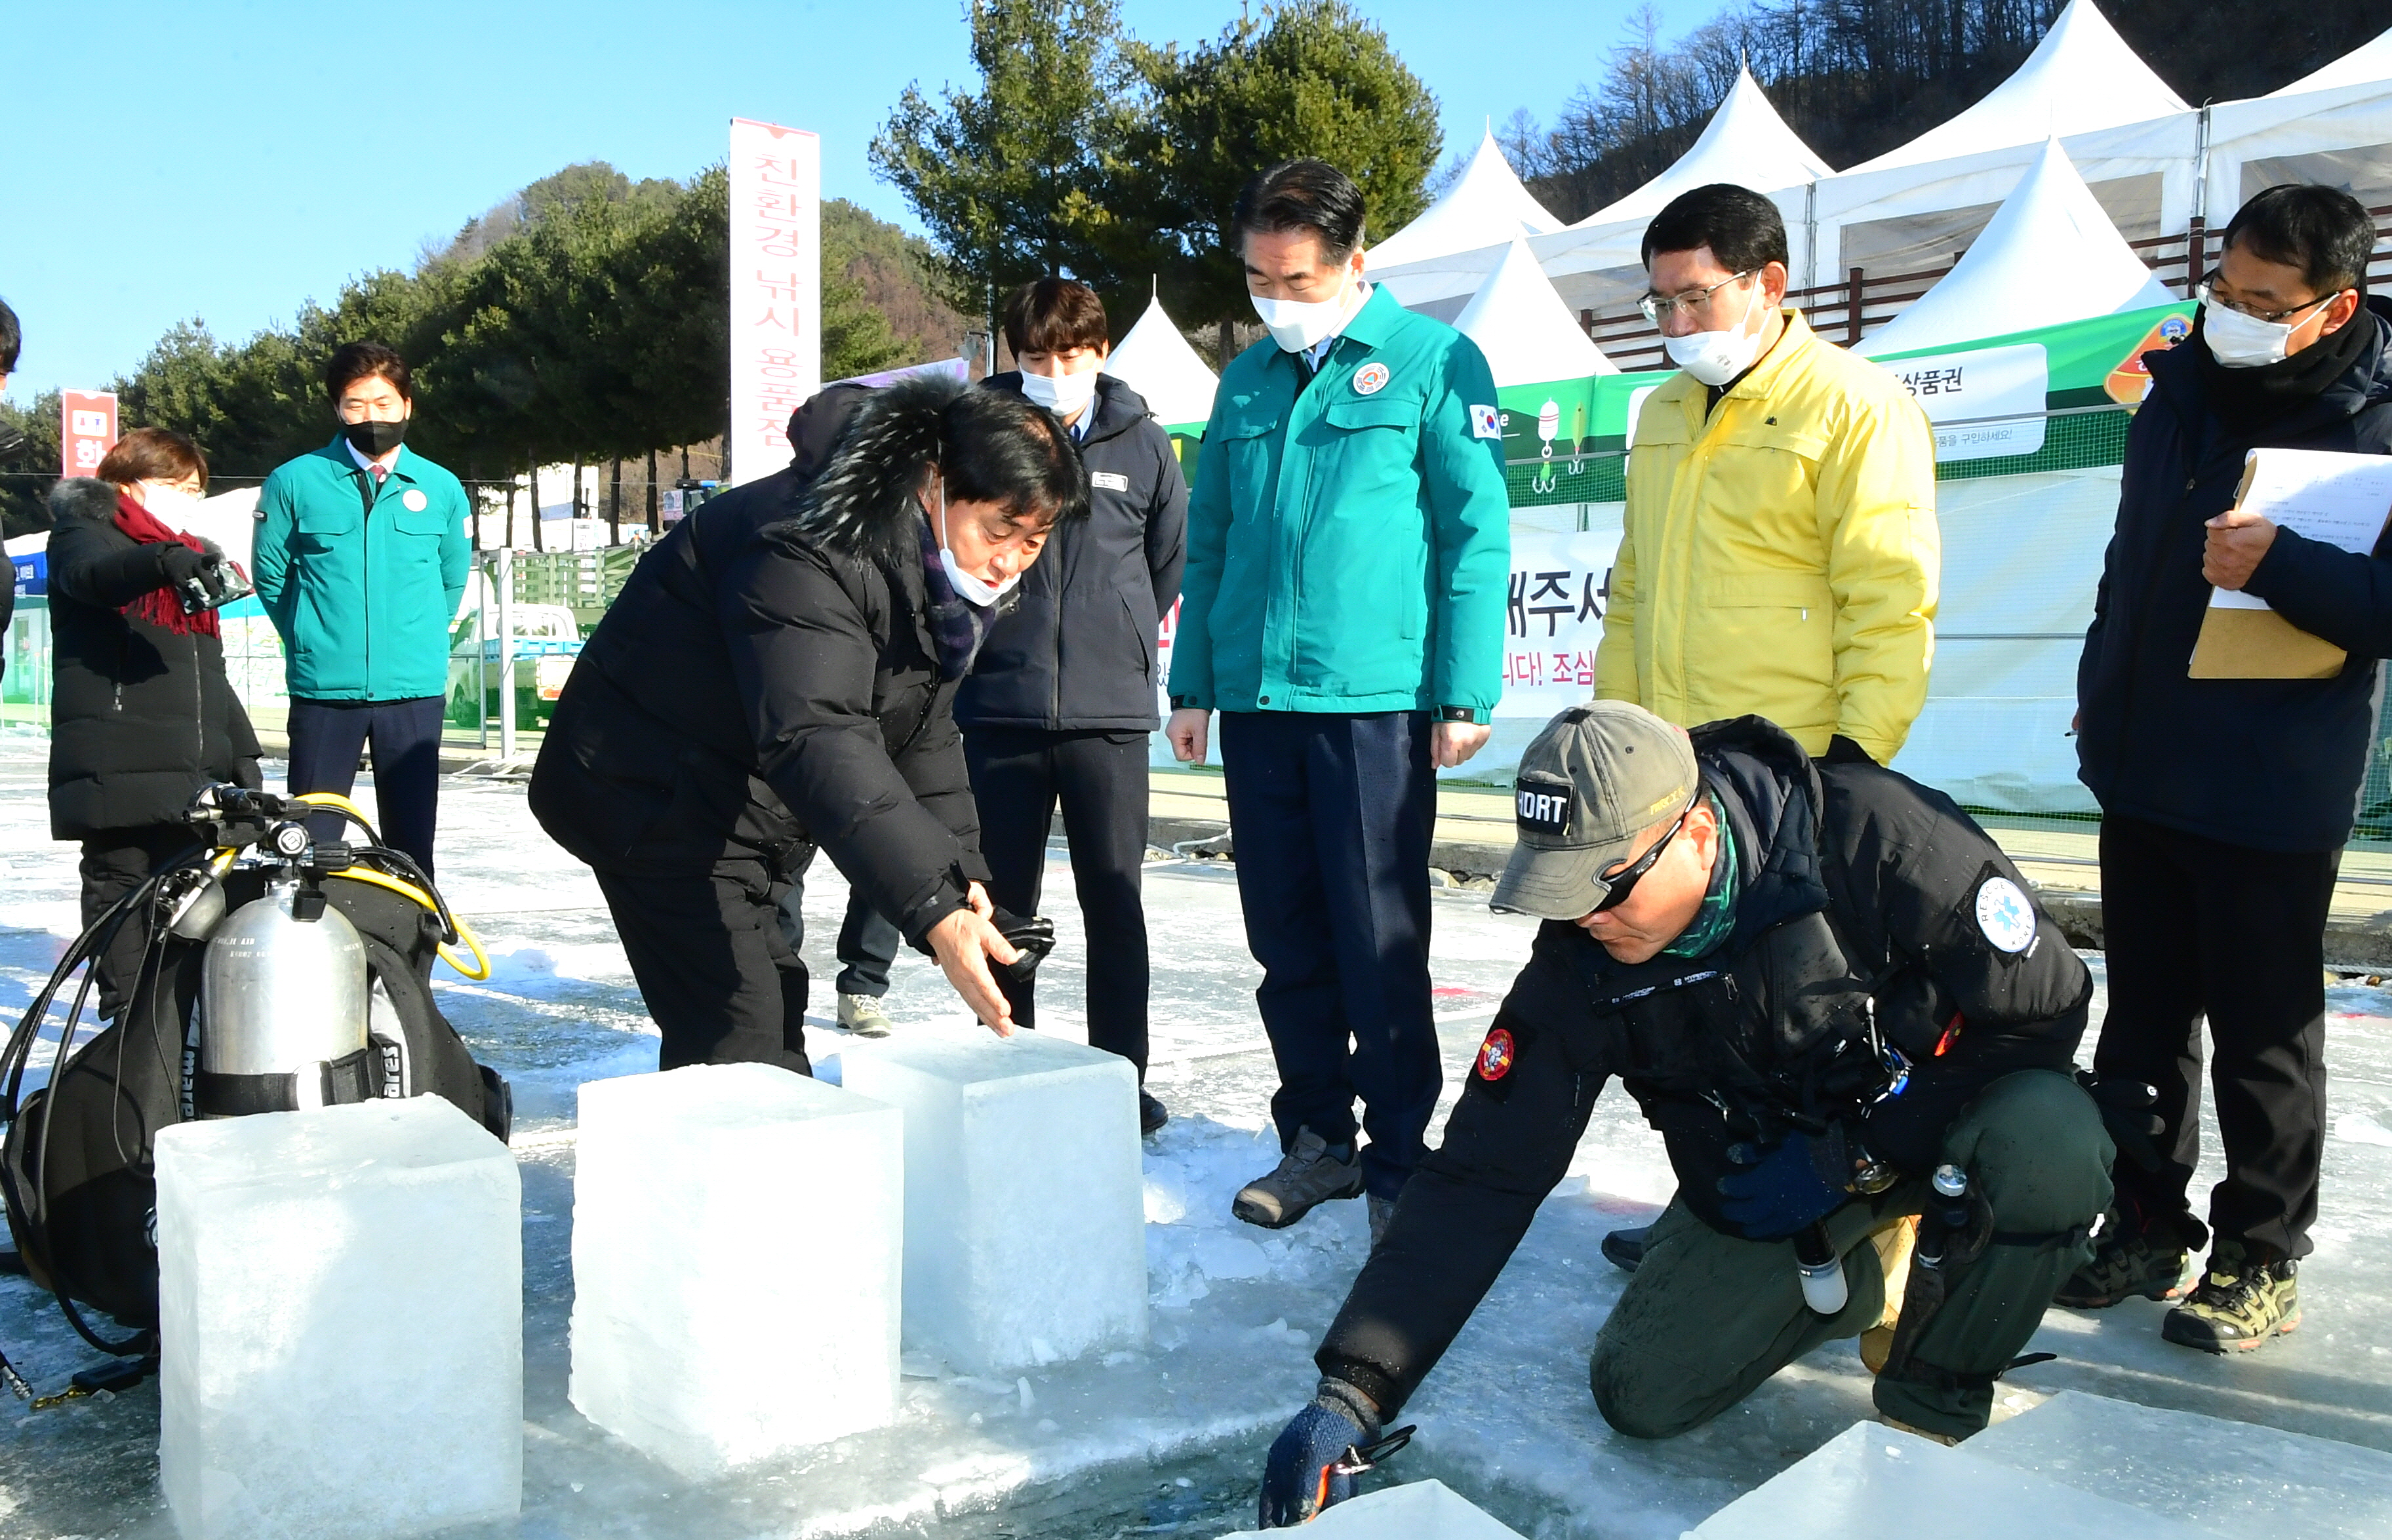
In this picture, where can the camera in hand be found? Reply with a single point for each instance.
(217, 583)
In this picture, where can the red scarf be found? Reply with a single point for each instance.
(161, 605)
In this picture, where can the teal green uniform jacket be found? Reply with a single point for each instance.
(1349, 546)
(363, 595)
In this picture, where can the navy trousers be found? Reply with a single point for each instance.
(1332, 815)
(868, 944)
(327, 737)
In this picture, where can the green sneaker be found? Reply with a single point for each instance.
(2241, 1302)
(2126, 1266)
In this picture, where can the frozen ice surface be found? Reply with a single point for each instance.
(1025, 1237)
(341, 1309)
(1505, 1420)
(1872, 1483)
(2234, 1478)
(709, 1200)
(1419, 1510)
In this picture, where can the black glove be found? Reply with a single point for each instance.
(1308, 1468)
(1843, 751)
(1791, 1186)
(2126, 1112)
(1031, 935)
(178, 563)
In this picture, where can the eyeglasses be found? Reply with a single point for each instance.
(1615, 889)
(2207, 295)
(1660, 307)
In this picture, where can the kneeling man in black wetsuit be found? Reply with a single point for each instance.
(1833, 995)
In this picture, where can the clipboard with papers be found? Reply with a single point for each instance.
(2339, 498)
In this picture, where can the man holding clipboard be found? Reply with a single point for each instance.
(2227, 754)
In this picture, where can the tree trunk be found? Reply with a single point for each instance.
(511, 514)
(538, 535)
(614, 506)
(656, 521)
(1228, 342)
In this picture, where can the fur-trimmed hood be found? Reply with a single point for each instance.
(84, 498)
(864, 502)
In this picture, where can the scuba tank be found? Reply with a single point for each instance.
(283, 1009)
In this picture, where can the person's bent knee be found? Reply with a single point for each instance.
(1639, 1397)
(2034, 1144)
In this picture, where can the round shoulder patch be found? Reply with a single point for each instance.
(1495, 1055)
(415, 500)
(1371, 378)
(2005, 915)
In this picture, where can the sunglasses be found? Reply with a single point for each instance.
(1616, 888)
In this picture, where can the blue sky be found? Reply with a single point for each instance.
(228, 160)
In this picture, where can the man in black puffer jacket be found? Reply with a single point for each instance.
(142, 714)
(778, 676)
(1821, 982)
(2226, 802)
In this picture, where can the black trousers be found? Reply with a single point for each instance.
(719, 977)
(1019, 775)
(115, 862)
(1331, 814)
(868, 944)
(2196, 929)
(326, 738)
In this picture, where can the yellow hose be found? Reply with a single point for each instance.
(408, 890)
(340, 804)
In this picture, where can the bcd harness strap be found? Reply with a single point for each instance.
(355, 1078)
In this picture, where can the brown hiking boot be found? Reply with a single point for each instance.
(2127, 1264)
(1308, 1176)
(2243, 1299)
(1894, 1244)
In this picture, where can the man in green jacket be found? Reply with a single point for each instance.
(1348, 547)
(361, 558)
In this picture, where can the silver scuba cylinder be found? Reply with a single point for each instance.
(280, 995)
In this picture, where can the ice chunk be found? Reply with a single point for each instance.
(2236, 1477)
(1872, 1483)
(736, 1236)
(340, 1311)
(1024, 1205)
(1417, 1511)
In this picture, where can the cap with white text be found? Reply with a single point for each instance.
(1595, 778)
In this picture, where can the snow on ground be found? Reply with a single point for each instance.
(1167, 1440)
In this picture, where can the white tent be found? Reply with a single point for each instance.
(2081, 76)
(1486, 205)
(2049, 256)
(1599, 261)
(1155, 360)
(2369, 64)
(1523, 328)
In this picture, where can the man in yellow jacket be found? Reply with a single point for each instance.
(1780, 556)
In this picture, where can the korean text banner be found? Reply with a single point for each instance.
(776, 290)
(1552, 620)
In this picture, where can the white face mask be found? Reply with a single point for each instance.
(2237, 341)
(169, 505)
(1299, 325)
(970, 590)
(1716, 357)
(1066, 395)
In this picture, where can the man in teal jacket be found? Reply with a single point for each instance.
(1348, 547)
(361, 558)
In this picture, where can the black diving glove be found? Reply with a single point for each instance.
(1313, 1463)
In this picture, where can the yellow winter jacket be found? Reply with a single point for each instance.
(1781, 558)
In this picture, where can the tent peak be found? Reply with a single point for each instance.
(1524, 328)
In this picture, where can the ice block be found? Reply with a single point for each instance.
(1024, 1200)
(1417, 1511)
(1873, 1483)
(341, 1319)
(737, 1232)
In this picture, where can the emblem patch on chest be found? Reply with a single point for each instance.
(2005, 915)
(1108, 481)
(1495, 1055)
(1371, 378)
(416, 502)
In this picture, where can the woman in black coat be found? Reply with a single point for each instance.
(778, 676)
(142, 714)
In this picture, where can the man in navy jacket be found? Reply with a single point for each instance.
(2226, 802)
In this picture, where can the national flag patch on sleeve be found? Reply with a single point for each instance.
(1486, 422)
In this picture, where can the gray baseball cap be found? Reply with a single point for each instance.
(1595, 778)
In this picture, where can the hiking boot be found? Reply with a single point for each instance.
(862, 1014)
(1308, 1176)
(1625, 1248)
(2127, 1263)
(1946, 1440)
(1152, 1114)
(1383, 1213)
(1893, 1244)
(2243, 1299)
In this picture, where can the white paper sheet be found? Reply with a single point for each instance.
(2321, 494)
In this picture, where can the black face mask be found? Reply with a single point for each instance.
(374, 440)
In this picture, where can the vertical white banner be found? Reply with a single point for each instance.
(776, 290)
